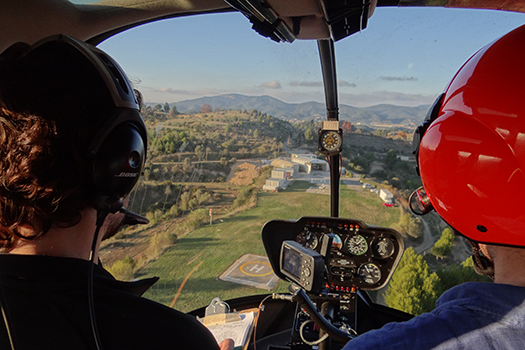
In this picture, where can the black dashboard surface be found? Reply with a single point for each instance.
(361, 256)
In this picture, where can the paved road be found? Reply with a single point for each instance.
(428, 239)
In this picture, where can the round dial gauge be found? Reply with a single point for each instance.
(331, 140)
(369, 273)
(308, 239)
(384, 247)
(356, 245)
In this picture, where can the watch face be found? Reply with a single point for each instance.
(331, 141)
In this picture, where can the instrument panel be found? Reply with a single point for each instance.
(357, 256)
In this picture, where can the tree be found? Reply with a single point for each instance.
(381, 133)
(199, 150)
(443, 246)
(184, 199)
(409, 225)
(158, 107)
(123, 269)
(346, 126)
(186, 165)
(206, 108)
(460, 273)
(174, 110)
(390, 159)
(166, 107)
(309, 135)
(170, 147)
(413, 288)
(256, 133)
(228, 127)
(414, 226)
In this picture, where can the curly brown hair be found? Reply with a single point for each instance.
(52, 103)
(25, 160)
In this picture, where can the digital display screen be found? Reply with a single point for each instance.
(292, 262)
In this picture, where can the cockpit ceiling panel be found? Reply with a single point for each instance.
(32, 20)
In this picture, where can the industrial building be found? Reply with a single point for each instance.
(286, 170)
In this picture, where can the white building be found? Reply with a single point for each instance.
(284, 163)
(309, 162)
(281, 177)
(386, 196)
(283, 173)
(273, 184)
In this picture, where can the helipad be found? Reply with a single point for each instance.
(252, 270)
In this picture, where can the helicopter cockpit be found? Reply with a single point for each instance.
(327, 264)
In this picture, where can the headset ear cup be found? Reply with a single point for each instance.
(119, 162)
(419, 202)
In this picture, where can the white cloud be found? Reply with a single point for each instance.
(174, 91)
(394, 78)
(306, 83)
(340, 83)
(344, 83)
(274, 84)
(386, 97)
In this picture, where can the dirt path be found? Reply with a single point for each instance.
(243, 173)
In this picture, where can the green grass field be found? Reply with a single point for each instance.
(221, 244)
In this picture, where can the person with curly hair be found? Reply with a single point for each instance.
(66, 110)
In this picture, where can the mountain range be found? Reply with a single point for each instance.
(378, 115)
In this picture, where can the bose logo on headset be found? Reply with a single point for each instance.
(127, 175)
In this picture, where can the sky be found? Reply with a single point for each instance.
(406, 57)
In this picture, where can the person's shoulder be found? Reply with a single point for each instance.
(480, 293)
(120, 308)
(417, 333)
(156, 325)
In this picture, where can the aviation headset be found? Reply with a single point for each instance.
(419, 202)
(118, 150)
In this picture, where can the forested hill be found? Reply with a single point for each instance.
(383, 114)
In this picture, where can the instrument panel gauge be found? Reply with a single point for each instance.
(356, 245)
(337, 243)
(308, 239)
(369, 273)
(384, 247)
(330, 141)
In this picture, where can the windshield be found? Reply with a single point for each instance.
(233, 121)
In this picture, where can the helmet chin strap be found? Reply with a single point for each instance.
(482, 264)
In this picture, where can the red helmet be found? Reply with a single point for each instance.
(471, 153)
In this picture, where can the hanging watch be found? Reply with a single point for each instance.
(330, 141)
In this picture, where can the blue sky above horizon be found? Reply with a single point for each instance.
(405, 57)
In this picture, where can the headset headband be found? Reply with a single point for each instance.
(432, 115)
(112, 74)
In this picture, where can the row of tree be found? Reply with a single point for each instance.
(415, 289)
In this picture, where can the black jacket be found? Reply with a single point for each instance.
(46, 300)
